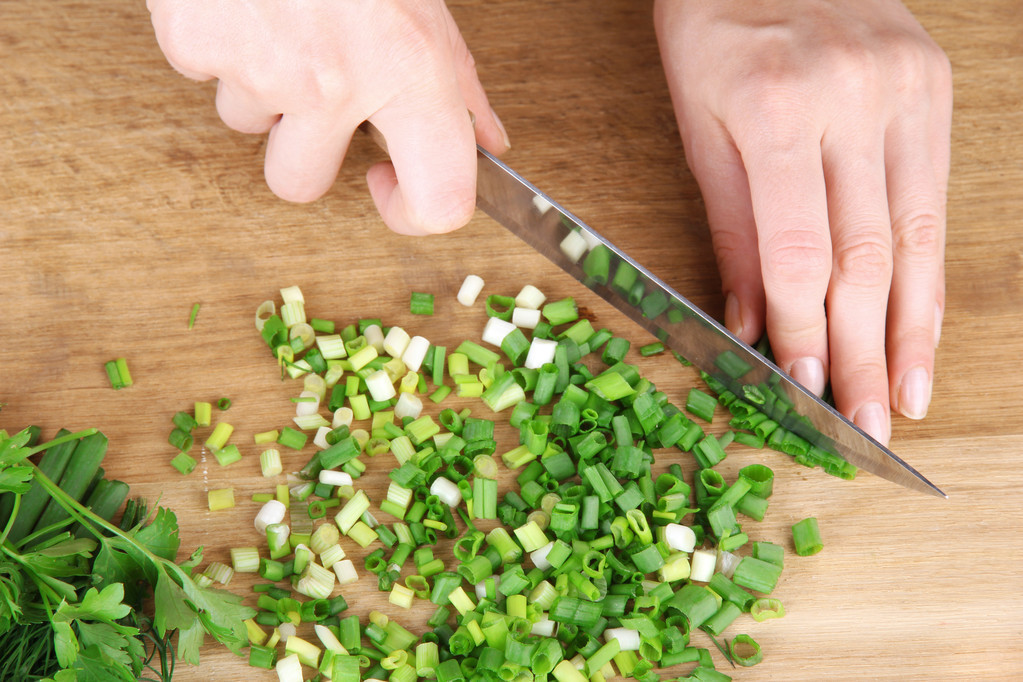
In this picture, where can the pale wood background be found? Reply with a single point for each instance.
(123, 200)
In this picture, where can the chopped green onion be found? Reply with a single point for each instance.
(561, 312)
(608, 550)
(220, 498)
(181, 440)
(500, 307)
(701, 404)
(229, 454)
(769, 552)
(290, 438)
(421, 303)
(352, 511)
(756, 574)
(651, 349)
(615, 350)
(203, 413)
(270, 463)
(191, 319)
(218, 438)
(806, 536)
(761, 479)
(184, 463)
(610, 386)
(245, 559)
(117, 372)
(744, 650)
(477, 354)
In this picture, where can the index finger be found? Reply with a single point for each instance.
(429, 185)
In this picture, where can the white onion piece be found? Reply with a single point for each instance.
(271, 512)
(333, 477)
(308, 404)
(379, 385)
(703, 563)
(530, 298)
(343, 416)
(727, 562)
(265, 310)
(396, 341)
(374, 337)
(541, 352)
(446, 491)
(679, 537)
(292, 294)
(470, 289)
(345, 572)
(539, 556)
(496, 329)
(527, 318)
(415, 353)
(320, 439)
(628, 639)
(544, 628)
(408, 405)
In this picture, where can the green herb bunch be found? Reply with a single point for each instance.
(71, 598)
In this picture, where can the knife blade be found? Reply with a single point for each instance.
(606, 270)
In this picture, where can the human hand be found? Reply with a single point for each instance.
(819, 133)
(310, 73)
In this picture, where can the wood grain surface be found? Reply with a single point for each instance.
(124, 200)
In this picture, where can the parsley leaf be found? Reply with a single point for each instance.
(16, 479)
(83, 590)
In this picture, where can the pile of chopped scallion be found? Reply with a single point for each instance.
(592, 568)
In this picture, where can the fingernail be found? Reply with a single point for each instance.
(873, 418)
(733, 316)
(500, 126)
(915, 393)
(938, 318)
(810, 373)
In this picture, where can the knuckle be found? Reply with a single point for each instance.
(732, 251)
(856, 73)
(867, 262)
(773, 118)
(414, 26)
(918, 65)
(918, 237)
(796, 257)
(322, 87)
(916, 336)
(728, 243)
(870, 367)
(771, 91)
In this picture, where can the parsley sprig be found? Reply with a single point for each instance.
(89, 590)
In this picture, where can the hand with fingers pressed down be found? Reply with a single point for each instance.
(819, 133)
(310, 75)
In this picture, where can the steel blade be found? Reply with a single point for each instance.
(607, 271)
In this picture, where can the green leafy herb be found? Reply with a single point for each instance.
(84, 594)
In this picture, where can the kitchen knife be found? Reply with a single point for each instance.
(607, 271)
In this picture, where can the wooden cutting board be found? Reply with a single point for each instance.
(124, 200)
